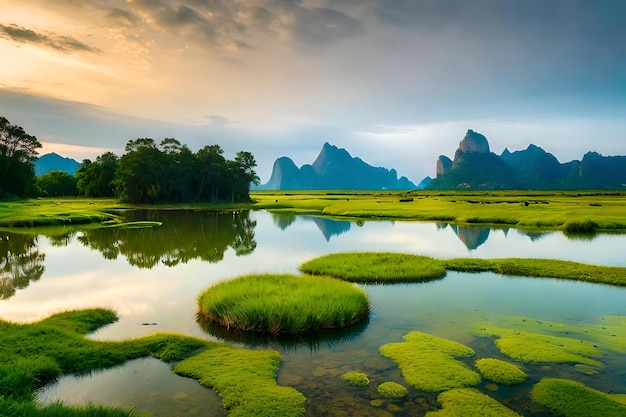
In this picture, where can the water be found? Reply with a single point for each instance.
(154, 275)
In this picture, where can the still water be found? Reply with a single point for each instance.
(152, 276)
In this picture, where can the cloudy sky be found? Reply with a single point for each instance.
(395, 82)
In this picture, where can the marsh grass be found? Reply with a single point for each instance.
(376, 267)
(383, 267)
(32, 355)
(574, 399)
(573, 212)
(282, 303)
(56, 211)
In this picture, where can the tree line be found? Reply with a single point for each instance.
(147, 173)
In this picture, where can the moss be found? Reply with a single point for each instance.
(468, 402)
(573, 399)
(428, 362)
(246, 381)
(537, 348)
(391, 389)
(358, 379)
(377, 402)
(283, 304)
(499, 371)
(586, 369)
(376, 267)
(32, 355)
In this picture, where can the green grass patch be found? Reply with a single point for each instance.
(573, 399)
(283, 303)
(575, 211)
(468, 402)
(32, 355)
(376, 267)
(392, 390)
(500, 372)
(358, 379)
(383, 267)
(428, 362)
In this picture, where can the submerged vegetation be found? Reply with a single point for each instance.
(31, 355)
(499, 371)
(282, 303)
(382, 267)
(428, 362)
(392, 390)
(358, 379)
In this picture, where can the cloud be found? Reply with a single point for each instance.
(50, 40)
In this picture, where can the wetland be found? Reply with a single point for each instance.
(152, 276)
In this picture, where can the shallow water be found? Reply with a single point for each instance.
(152, 276)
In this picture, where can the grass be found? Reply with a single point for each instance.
(376, 267)
(383, 267)
(32, 355)
(500, 372)
(573, 399)
(428, 362)
(283, 303)
(577, 212)
(468, 402)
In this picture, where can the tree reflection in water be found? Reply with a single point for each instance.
(183, 236)
(20, 262)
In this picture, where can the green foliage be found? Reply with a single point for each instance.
(393, 390)
(246, 381)
(468, 402)
(57, 184)
(170, 172)
(18, 152)
(376, 267)
(499, 371)
(573, 399)
(358, 379)
(275, 303)
(428, 362)
(9, 408)
(96, 179)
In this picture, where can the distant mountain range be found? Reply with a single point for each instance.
(52, 161)
(334, 169)
(475, 167)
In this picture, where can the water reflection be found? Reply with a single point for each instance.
(20, 262)
(184, 235)
(313, 341)
(328, 227)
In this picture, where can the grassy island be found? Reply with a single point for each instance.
(32, 355)
(283, 304)
(383, 267)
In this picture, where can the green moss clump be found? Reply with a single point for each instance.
(468, 402)
(427, 362)
(358, 379)
(500, 372)
(283, 303)
(246, 381)
(573, 399)
(376, 267)
(391, 389)
(537, 348)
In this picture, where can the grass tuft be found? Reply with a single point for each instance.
(392, 390)
(282, 303)
(358, 379)
(500, 372)
(468, 402)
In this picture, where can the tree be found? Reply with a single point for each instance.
(57, 184)
(96, 179)
(18, 152)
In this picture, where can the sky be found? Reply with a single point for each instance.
(395, 82)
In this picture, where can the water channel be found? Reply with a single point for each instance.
(151, 278)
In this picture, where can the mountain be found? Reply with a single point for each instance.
(52, 161)
(333, 169)
(476, 167)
